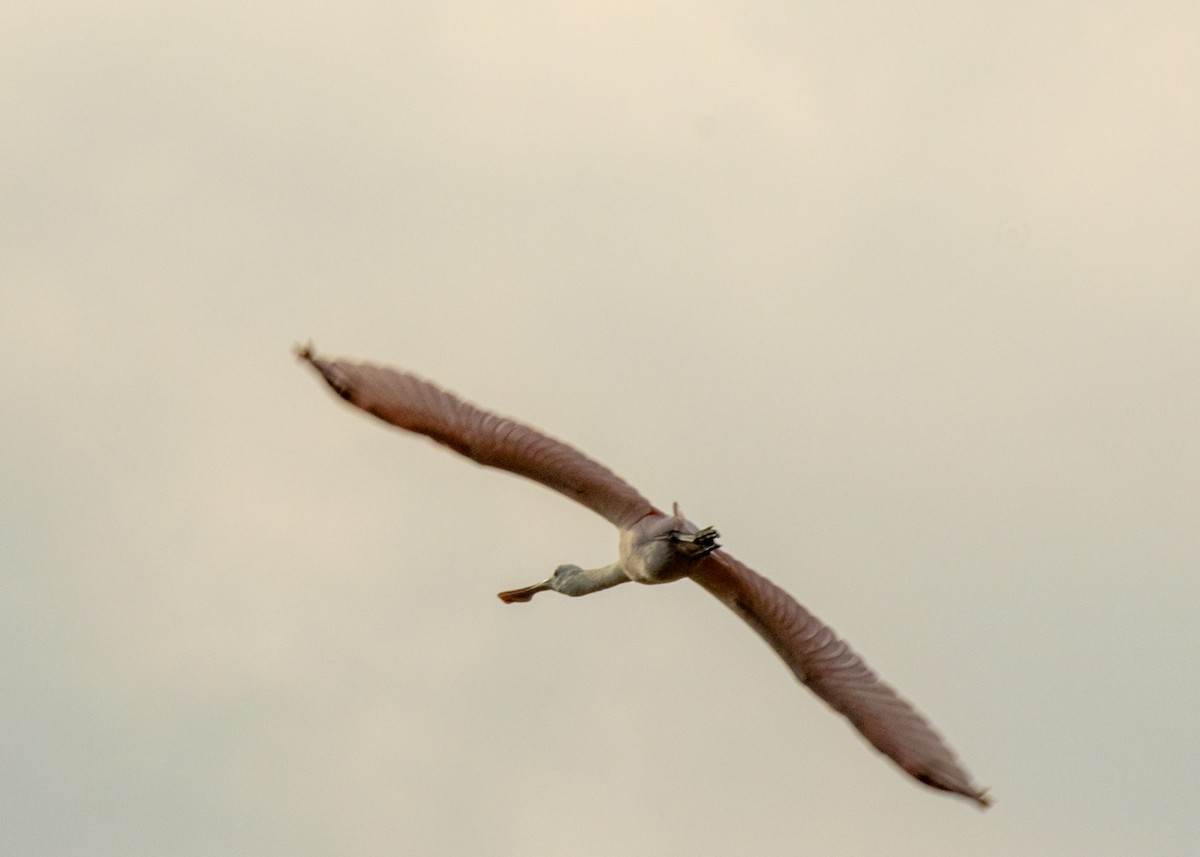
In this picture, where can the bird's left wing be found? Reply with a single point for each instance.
(836, 674)
(410, 403)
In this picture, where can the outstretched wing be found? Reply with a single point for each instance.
(418, 406)
(836, 674)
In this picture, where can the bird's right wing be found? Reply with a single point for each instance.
(410, 403)
(836, 674)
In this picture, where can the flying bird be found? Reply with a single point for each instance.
(655, 547)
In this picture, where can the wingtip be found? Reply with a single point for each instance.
(304, 352)
(957, 784)
(333, 376)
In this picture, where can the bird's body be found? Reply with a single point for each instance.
(656, 547)
(648, 555)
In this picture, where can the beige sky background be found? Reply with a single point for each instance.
(903, 298)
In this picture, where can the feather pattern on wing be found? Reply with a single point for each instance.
(410, 403)
(836, 674)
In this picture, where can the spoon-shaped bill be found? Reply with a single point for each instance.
(526, 593)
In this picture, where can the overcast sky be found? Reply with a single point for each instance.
(904, 299)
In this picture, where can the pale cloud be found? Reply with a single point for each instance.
(902, 300)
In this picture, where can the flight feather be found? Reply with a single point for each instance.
(410, 403)
(834, 672)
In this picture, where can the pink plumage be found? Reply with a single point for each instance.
(658, 548)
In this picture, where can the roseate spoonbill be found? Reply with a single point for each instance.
(655, 547)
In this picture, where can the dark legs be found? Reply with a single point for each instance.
(695, 544)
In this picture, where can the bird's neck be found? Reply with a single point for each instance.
(594, 579)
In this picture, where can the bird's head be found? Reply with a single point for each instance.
(570, 580)
(567, 579)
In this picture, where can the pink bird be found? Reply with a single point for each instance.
(655, 547)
